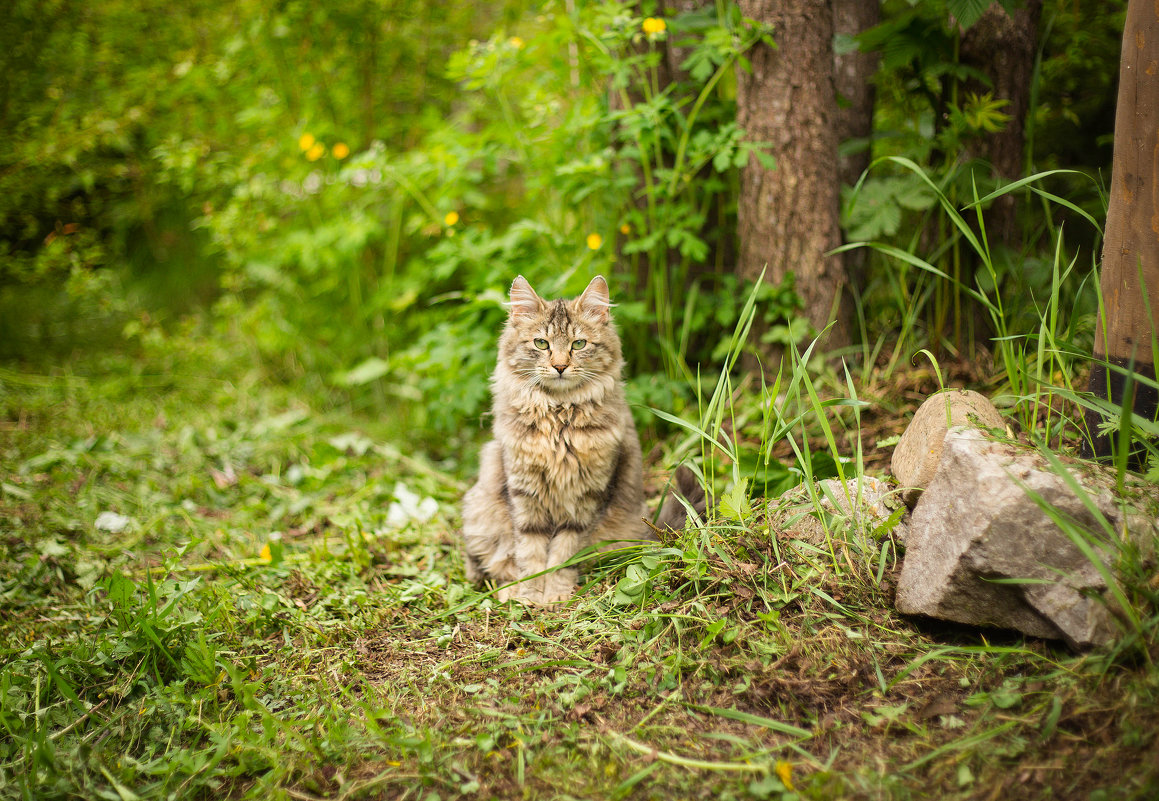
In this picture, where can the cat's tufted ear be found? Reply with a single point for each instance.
(594, 301)
(524, 301)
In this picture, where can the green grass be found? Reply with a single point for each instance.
(175, 658)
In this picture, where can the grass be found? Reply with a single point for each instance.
(278, 619)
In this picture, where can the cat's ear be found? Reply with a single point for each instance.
(524, 301)
(594, 302)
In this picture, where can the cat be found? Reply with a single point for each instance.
(564, 469)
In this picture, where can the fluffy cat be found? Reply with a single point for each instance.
(564, 468)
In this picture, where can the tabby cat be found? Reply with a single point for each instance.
(564, 468)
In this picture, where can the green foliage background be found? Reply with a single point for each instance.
(350, 189)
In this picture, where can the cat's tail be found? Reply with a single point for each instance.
(673, 513)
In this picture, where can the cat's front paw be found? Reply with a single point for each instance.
(525, 593)
(558, 591)
(553, 602)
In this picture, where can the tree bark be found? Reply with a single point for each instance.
(789, 216)
(853, 78)
(1003, 48)
(853, 73)
(1130, 267)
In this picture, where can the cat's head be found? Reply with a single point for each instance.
(560, 346)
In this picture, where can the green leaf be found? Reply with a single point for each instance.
(915, 196)
(710, 632)
(123, 792)
(1005, 699)
(967, 12)
(965, 775)
(766, 786)
(14, 491)
(631, 588)
(120, 590)
(884, 715)
(734, 504)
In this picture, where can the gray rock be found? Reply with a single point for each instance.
(915, 458)
(981, 551)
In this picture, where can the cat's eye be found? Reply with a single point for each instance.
(540, 343)
(579, 344)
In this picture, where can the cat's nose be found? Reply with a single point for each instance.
(559, 368)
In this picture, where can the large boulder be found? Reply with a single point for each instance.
(982, 550)
(916, 456)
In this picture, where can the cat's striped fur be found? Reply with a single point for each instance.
(564, 468)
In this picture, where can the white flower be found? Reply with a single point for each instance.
(409, 506)
(112, 522)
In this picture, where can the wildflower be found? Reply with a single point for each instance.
(409, 506)
(625, 229)
(341, 150)
(306, 141)
(316, 151)
(515, 42)
(595, 241)
(654, 25)
(273, 549)
(784, 771)
(451, 218)
(112, 522)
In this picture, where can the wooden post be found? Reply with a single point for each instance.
(1130, 268)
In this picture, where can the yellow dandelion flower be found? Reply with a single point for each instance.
(625, 229)
(515, 42)
(341, 150)
(306, 141)
(784, 771)
(594, 241)
(654, 25)
(266, 554)
(316, 151)
(451, 218)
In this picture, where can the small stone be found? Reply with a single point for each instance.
(796, 515)
(915, 458)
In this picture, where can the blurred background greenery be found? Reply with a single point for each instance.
(348, 189)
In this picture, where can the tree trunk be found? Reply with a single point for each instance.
(853, 73)
(789, 216)
(1130, 268)
(1003, 48)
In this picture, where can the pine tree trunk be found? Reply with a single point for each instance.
(853, 78)
(1130, 268)
(1003, 46)
(853, 73)
(789, 216)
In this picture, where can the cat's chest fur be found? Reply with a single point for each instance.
(564, 451)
